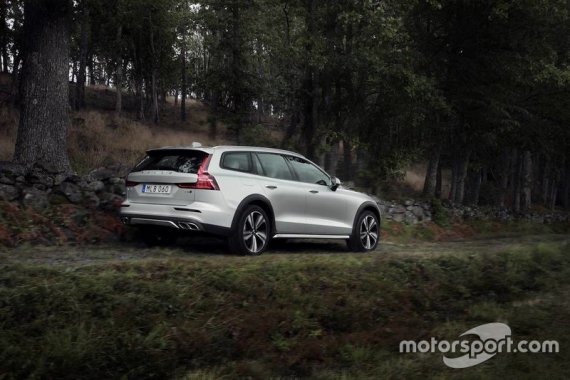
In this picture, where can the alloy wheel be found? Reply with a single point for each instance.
(369, 232)
(255, 231)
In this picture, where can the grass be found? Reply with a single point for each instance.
(468, 229)
(321, 316)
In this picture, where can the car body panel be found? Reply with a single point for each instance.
(299, 209)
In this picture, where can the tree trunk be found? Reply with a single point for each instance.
(347, 160)
(545, 181)
(516, 180)
(526, 180)
(213, 130)
(504, 168)
(154, 91)
(431, 173)
(44, 118)
(15, 89)
(119, 73)
(462, 166)
(4, 36)
(83, 51)
(332, 159)
(453, 184)
(184, 81)
(438, 181)
(553, 193)
(474, 188)
(91, 67)
(566, 187)
(310, 87)
(155, 111)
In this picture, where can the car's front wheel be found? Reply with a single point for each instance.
(251, 233)
(366, 233)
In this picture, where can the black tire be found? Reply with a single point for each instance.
(158, 237)
(252, 232)
(366, 233)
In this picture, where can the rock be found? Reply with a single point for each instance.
(12, 169)
(397, 210)
(100, 174)
(74, 178)
(110, 201)
(46, 167)
(71, 192)
(106, 173)
(8, 192)
(398, 217)
(59, 178)
(410, 218)
(34, 198)
(92, 200)
(408, 202)
(95, 186)
(5, 178)
(117, 181)
(418, 212)
(38, 176)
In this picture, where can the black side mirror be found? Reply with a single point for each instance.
(335, 183)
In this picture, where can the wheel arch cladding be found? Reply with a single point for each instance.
(255, 200)
(367, 206)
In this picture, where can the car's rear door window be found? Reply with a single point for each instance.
(181, 161)
(275, 166)
(237, 161)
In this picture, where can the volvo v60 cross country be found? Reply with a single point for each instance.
(249, 195)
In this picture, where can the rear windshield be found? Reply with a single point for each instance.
(181, 161)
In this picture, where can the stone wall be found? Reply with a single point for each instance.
(416, 211)
(40, 187)
(104, 189)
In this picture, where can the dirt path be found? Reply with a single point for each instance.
(213, 250)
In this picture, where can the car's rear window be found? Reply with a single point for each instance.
(181, 161)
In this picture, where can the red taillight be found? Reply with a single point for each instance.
(130, 183)
(205, 180)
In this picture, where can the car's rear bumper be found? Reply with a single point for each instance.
(183, 218)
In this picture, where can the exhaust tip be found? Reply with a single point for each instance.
(188, 226)
(125, 220)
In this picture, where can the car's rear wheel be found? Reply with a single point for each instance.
(252, 232)
(366, 233)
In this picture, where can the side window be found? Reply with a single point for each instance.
(236, 161)
(258, 169)
(307, 172)
(274, 166)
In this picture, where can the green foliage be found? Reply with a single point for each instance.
(440, 215)
(258, 135)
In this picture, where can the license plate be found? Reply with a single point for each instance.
(156, 189)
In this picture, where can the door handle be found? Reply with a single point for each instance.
(313, 191)
(271, 187)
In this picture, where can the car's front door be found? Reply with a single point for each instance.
(325, 209)
(287, 199)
